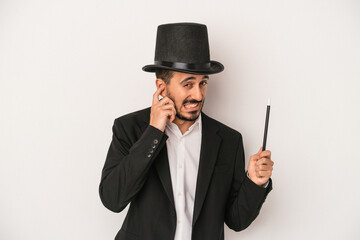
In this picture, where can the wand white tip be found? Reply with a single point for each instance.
(268, 102)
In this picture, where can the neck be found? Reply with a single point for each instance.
(182, 124)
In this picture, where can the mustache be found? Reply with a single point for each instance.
(191, 101)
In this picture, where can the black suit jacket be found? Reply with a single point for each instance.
(136, 171)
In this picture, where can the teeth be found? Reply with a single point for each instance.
(191, 105)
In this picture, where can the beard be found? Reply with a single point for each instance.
(193, 115)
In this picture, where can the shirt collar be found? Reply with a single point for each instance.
(175, 129)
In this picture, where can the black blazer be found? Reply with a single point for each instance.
(136, 171)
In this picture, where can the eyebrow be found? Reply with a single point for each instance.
(192, 78)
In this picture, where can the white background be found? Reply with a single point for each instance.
(69, 68)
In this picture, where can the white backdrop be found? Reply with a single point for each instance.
(69, 68)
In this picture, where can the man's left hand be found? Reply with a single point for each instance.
(260, 167)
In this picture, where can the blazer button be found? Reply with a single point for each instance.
(153, 146)
(149, 155)
(156, 141)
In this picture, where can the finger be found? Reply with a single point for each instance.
(265, 161)
(166, 106)
(168, 113)
(263, 174)
(254, 157)
(266, 153)
(163, 101)
(259, 174)
(156, 94)
(172, 102)
(166, 101)
(260, 150)
(173, 116)
(265, 168)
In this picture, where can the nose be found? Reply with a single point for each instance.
(196, 94)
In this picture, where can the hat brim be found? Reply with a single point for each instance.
(215, 67)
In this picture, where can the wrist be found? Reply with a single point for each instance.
(158, 127)
(256, 181)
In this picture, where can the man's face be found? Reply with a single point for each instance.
(187, 91)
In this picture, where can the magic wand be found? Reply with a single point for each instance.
(266, 125)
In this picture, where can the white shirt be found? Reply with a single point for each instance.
(184, 155)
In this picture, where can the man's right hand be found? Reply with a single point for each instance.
(161, 110)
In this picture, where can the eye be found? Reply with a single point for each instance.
(187, 85)
(204, 83)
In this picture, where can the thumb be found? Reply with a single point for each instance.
(256, 156)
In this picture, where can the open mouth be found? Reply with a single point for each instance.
(191, 106)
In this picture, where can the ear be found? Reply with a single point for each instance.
(159, 82)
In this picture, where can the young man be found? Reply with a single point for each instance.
(181, 171)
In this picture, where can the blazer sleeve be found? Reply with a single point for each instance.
(245, 198)
(127, 164)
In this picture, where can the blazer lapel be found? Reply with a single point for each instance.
(163, 169)
(210, 143)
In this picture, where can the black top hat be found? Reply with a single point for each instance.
(183, 47)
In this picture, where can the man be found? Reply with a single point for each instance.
(181, 171)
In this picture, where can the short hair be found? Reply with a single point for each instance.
(164, 74)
